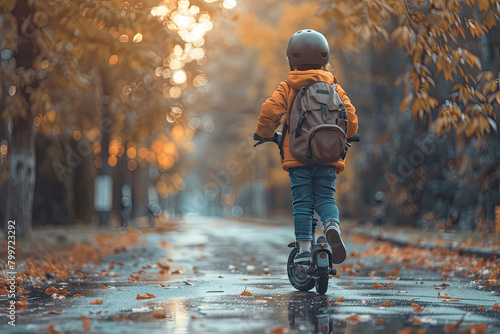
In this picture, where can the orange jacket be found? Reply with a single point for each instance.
(280, 104)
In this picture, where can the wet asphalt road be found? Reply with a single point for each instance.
(212, 261)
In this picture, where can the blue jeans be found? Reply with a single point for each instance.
(313, 188)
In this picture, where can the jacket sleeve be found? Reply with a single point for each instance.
(352, 119)
(272, 111)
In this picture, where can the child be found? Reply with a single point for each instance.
(312, 186)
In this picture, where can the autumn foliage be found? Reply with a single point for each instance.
(436, 36)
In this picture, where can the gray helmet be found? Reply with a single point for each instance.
(307, 47)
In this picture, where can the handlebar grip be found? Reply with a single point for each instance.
(257, 137)
(355, 138)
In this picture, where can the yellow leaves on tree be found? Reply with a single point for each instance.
(433, 34)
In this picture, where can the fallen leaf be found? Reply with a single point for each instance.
(245, 293)
(353, 318)
(417, 308)
(387, 303)
(162, 285)
(451, 328)
(146, 296)
(279, 330)
(51, 330)
(417, 321)
(407, 330)
(482, 308)
(378, 286)
(188, 283)
(52, 290)
(379, 321)
(96, 302)
(77, 295)
(496, 306)
(478, 329)
(86, 323)
(104, 287)
(340, 300)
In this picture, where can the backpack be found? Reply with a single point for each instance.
(317, 124)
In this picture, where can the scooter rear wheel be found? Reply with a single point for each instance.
(322, 281)
(297, 274)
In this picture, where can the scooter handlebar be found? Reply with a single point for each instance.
(354, 138)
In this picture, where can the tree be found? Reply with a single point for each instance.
(132, 62)
(436, 36)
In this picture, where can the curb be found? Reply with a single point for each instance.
(403, 241)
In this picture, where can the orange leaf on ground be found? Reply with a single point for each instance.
(377, 286)
(451, 328)
(496, 306)
(51, 330)
(86, 323)
(146, 296)
(387, 303)
(407, 330)
(77, 295)
(417, 321)
(162, 285)
(478, 329)
(96, 302)
(104, 287)
(340, 300)
(482, 308)
(353, 318)
(245, 293)
(379, 321)
(417, 308)
(52, 290)
(279, 330)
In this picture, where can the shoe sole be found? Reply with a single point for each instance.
(338, 247)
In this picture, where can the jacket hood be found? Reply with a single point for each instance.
(299, 79)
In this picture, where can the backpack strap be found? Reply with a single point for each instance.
(299, 123)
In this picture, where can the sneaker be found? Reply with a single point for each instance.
(303, 258)
(334, 237)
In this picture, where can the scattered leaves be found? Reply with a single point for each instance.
(245, 293)
(96, 302)
(146, 296)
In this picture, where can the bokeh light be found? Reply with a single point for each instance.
(179, 77)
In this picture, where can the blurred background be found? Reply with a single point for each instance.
(139, 112)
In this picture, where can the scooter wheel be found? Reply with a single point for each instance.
(322, 281)
(297, 274)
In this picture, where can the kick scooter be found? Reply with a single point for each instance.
(317, 273)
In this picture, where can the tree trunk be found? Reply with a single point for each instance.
(21, 188)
